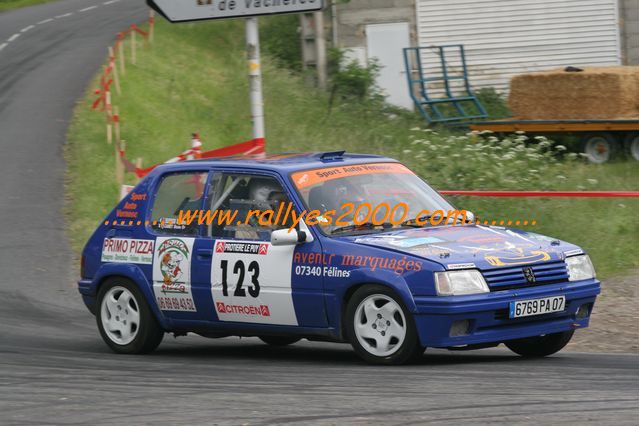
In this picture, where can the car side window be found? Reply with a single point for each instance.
(237, 199)
(177, 192)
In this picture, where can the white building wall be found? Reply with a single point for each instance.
(630, 18)
(503, 38)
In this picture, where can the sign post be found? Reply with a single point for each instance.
(198, 10)
(255, 77)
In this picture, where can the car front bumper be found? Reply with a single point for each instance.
(440, 319)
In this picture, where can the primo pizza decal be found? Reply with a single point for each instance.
(127, 250)
(172, 274)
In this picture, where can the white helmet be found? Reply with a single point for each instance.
(261, 189)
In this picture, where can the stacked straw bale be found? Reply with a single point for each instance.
(595, 93)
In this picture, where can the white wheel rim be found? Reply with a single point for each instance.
(120, 315)
(380, 325)
(634, 148)
(598, 149)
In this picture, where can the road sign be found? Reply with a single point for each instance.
(198, 10)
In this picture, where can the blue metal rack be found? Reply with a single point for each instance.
(432, 109)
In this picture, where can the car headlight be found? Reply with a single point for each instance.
(457, 283)
(580, 268)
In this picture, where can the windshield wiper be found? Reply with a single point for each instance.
(413, 222)
(363, 226)
(425, 221)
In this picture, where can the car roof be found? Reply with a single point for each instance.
(283, 163)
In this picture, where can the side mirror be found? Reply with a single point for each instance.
(470, 217)
(467, 216)
(284, 237)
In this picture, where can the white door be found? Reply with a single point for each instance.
(386, 43)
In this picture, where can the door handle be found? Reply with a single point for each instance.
(206, 253)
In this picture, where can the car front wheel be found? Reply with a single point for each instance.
(540, 346)
(124, 319)
(380, 328)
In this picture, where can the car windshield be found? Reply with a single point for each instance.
(367, 198)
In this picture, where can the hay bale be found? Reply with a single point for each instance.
(595, 93)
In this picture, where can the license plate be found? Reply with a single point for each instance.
(529, 308)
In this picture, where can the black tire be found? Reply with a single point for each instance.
(409, 350)
(631, 144)
(600, 147)
(540, 346)
(149, 334)
(279, 340)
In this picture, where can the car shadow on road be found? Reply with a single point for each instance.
(195, 349)
(319, 353)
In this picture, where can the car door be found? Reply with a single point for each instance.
(251, 280)
(174, 256)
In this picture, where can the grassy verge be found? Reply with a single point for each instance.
(193, 79)
(6, 5)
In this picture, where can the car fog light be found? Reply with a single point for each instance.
(584, 311)
(460, 328)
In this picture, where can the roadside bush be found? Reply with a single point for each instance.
(494, 102)
(350, 81)
(280, 39)
(483, 161)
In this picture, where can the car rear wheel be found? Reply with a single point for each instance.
(279, 340)
(540, 346)
(380, 328)
(124, 319)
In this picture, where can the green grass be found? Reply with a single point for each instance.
(606, 228)
(15, 4)
(193, 79)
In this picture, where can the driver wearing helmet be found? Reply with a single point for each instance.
(344, 193)
(263, 194)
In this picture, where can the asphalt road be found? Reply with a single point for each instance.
(54, 369)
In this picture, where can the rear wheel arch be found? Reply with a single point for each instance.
(103, 280)
(109, 277)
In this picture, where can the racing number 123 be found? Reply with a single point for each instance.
(239, 269)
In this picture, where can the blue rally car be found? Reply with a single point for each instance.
(390, 287)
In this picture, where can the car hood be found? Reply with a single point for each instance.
(472, 246)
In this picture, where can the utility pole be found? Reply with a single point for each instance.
(255, 77)
(314, 46)
(320, 46)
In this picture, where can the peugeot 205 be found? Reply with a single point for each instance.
(386, 277)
